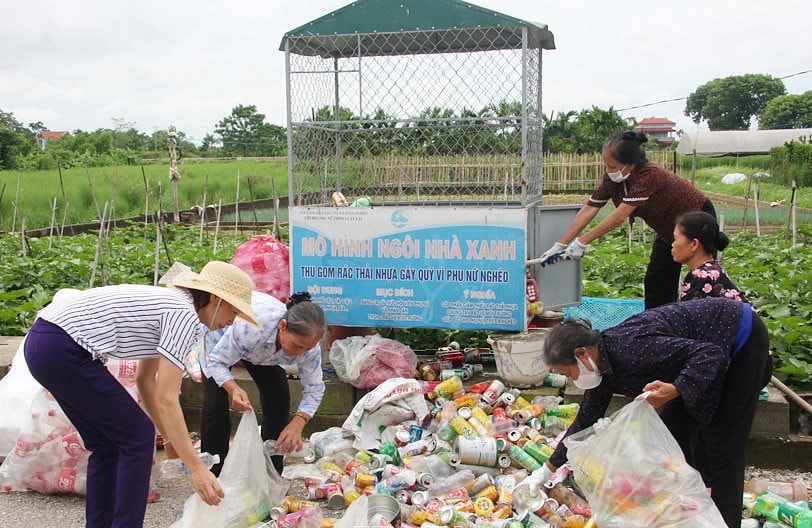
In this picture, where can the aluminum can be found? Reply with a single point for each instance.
(463, 428)
(402, 438)
(419, 498)
(378, 461)
(493, 392)
(481, 415)
(483, 506)
(425, 479)
(363, 480)
(518, 455)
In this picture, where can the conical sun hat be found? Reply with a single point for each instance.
(224, 280)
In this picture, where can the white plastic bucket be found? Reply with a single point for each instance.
(519, 359)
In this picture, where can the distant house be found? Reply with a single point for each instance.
(44, 136)
(658, 128)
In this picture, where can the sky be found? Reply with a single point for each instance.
(87, 64)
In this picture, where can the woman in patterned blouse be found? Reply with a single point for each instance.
(289, 334)
(696, 240)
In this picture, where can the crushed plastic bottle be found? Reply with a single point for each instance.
(305, 452)
(175, 467)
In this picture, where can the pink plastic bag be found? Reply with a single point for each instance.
(367, 361)
(267, 261)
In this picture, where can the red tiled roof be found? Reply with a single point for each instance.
(654, 130)
(51, 134)
(656, 121)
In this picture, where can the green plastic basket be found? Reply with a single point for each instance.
(605, 313)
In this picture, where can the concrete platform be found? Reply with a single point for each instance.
(771, 444)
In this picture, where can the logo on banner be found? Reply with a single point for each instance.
(399, 219)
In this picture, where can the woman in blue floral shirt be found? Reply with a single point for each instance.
(288, 335)
(696, 240)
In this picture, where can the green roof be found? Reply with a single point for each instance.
(423, 26)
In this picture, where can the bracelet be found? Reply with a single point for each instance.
(303, 416)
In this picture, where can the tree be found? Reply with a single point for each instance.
(788, 111)
(595, 125)
(560, 131)
(244, 132)
(15, 140)
(730, 103)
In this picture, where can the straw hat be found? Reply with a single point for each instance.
(224, 280)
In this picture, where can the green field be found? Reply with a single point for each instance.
(38, 189)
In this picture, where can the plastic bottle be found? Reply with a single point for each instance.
(175, 467)
(794, 515)
(306, 452)
(794, 491)
(767, 505)
(460, 479)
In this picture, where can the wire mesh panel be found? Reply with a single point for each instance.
(428, 117)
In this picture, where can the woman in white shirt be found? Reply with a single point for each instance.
(66, 349)
(289, 334)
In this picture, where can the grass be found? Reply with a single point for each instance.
(710, 179)
(39, 188)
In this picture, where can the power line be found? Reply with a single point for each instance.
(686, 97)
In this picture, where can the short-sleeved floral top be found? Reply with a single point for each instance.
(709, 280)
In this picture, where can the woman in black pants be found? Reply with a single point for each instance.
(288, 335)
(703, 361)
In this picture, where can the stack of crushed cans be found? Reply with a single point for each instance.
(471, 465)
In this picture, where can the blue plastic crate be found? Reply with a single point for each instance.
(605, 313)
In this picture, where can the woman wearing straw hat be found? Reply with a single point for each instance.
(66, 349)
(289, 335)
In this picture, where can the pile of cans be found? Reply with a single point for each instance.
(471, 465)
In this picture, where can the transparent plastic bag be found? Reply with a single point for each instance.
(17, 389)
(49, 455)
(367, 361)
(634, 474)
(356, 515)
(246, 482)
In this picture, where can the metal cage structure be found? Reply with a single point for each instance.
(427, 102)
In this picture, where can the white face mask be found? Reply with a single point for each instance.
(587, 379)
(618, 176)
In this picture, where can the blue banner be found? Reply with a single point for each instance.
(428, 267)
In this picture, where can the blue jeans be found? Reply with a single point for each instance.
(114, 428)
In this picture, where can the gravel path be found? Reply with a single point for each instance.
(27, 510)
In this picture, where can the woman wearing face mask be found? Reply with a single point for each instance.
(638, 189)
(66, 349)
(704, 362)
(288, 335)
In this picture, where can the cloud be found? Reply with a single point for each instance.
(79, 64)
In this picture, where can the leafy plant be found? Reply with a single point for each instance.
(775, 277)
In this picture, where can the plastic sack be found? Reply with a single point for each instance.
(367, 361)
(395, 401)
(17, 389)
(634, 473)
(48, 455)
(330, 441)
(246, 483)
(267, 261)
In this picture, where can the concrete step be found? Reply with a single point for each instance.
(771, 444)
